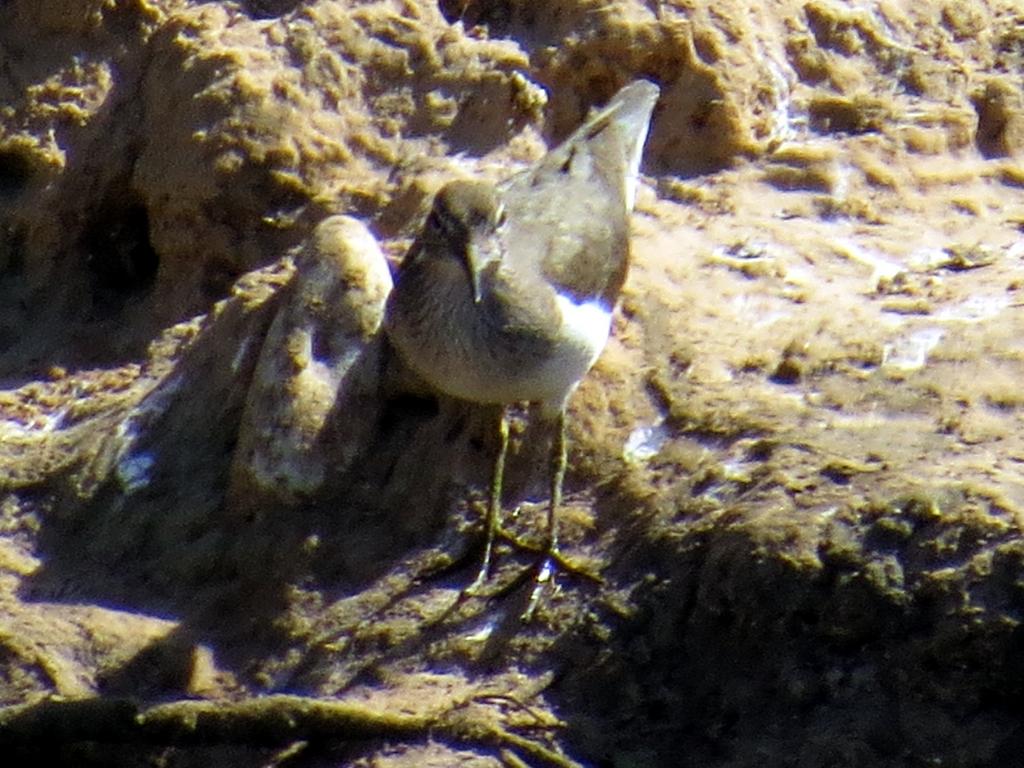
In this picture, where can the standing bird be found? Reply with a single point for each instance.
(507, 293)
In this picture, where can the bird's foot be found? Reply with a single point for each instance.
(545, 575)
(546, 568)
(478, 587)
(551, 556)
(550, 561)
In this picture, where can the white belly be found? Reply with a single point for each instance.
(585, 327)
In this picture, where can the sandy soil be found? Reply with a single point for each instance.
(230, 532)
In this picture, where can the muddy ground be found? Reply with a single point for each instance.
(797, 467)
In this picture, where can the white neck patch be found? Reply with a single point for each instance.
(587, 324)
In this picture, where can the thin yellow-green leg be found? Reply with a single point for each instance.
(493, 503)
(558, 460)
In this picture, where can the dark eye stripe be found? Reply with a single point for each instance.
(449, 223)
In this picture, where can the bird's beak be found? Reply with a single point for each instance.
(474, 263)
(480, 252)
(485, 250)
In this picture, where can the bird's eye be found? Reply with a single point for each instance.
(441, 222)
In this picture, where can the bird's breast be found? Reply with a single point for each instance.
(585, 325)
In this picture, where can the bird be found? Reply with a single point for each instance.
(507, 292)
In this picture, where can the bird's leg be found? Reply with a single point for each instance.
(557, 468)
(558, 462)
(494, 502)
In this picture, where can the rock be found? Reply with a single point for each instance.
(313, 401)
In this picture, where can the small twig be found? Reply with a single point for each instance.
(511, 760)
(268, 720)
(520, 705)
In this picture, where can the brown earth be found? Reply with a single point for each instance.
(227, 538)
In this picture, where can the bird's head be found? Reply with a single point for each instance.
(465, 223)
